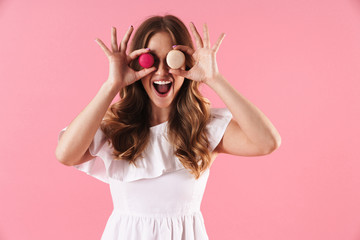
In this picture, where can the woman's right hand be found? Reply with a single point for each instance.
(120, 73)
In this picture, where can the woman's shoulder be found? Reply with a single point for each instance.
(220, 113)
(219, 120)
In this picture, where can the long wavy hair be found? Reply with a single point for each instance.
(126, 123)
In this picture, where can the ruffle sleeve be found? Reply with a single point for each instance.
(157, 159)
(220, 119)
(98, 166)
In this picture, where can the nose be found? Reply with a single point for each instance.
(162, 68)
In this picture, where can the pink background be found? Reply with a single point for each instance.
(297, 60)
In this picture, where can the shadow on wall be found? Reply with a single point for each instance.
(3, 6)
(356, 4)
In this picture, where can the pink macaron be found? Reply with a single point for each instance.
(146, 60)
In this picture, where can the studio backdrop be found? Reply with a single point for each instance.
(297, 61)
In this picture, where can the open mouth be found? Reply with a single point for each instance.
(162, 87)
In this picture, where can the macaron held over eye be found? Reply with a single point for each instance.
(146, 60)
(174, 59)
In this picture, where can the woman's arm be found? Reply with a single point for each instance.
(72, 148)
(250, 133)
(78, 136)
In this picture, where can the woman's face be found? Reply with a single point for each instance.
(160, 85)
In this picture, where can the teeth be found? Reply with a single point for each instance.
(162, 82)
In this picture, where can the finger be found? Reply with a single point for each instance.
(218, 42)
(133, 55)
(126, 38)
(103, 46)
(198, 40)
(180, 72)
(185, 49)
(206, 39)
(142, 73)
(114, 40)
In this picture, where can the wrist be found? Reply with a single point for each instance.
(112, 87)
(214, 81)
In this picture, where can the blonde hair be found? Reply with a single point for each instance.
(127, 121)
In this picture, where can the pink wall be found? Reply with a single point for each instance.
(298, 61)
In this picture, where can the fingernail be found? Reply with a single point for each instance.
(148, 49)
(174, 46)
(131, 26)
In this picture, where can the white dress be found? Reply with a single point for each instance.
(159, 199)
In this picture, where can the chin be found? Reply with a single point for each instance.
(162, 104)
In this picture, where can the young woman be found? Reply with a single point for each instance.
(155, 146)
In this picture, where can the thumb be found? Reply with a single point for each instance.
(142, 73)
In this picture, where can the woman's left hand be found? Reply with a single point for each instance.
(205, 68)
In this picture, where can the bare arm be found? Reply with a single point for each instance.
(72, 148)
(77, 138)
(250, 133)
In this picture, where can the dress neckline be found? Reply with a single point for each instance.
(158, 127)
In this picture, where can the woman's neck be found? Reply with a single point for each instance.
(159, 115)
